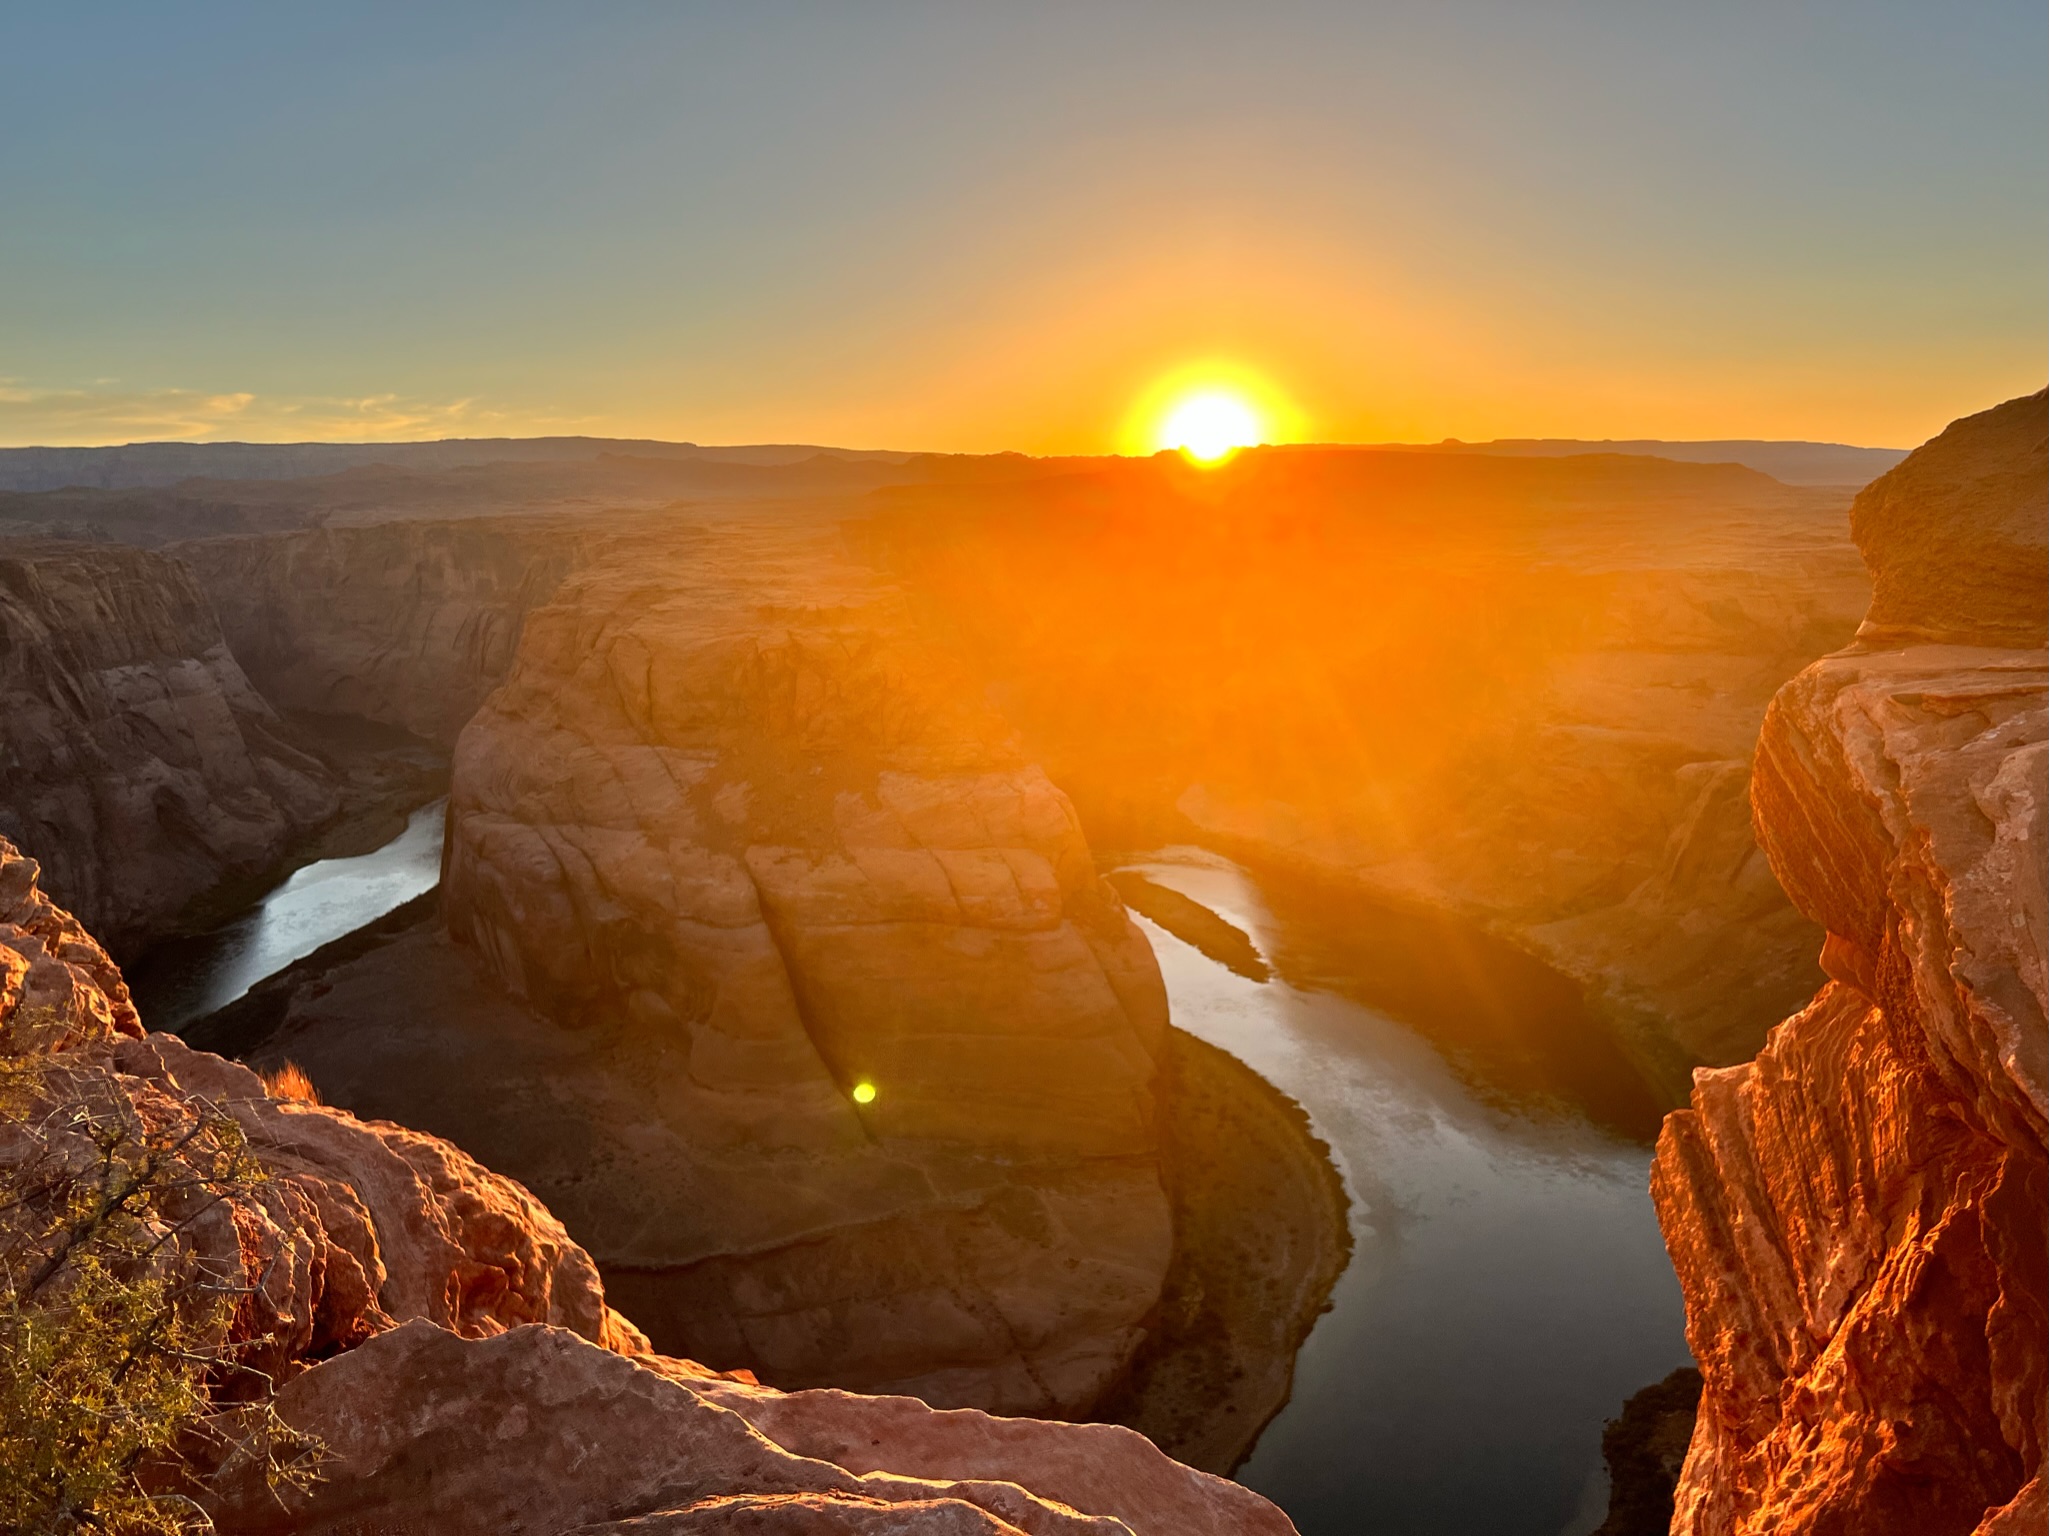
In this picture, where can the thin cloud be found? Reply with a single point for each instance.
(81, 417)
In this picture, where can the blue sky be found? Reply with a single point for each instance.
(976, 227)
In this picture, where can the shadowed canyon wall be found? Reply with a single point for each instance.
(139, 763)
(410, 623)
(1858, 1216)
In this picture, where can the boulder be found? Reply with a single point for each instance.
(1955, 535)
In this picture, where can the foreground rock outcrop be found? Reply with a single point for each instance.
(871, 1079)
(137, 763)
(433, 1325)
(1858, 1216)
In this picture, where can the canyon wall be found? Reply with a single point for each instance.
(452, 1350)
(876, 1049)
(140, 765)
(1858, 1216)
(409, 623)
(1521, 692)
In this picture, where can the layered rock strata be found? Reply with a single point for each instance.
(1858, 1216)
(410, 623)
(452, 1350)
(877, 1049)
(1521, 693)
(137, 762)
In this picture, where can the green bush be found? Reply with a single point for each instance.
(117, 1381)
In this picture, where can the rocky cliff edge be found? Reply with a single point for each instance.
(1858, 1216)
(437, 1330)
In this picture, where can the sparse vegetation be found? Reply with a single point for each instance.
(291, 1082)
(117, 1374)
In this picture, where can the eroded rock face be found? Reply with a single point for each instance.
(731, 814)
(539, 1431)
(361, 1225)
(434, 1326)
(1858, 1216)
(1955, 535)
(409, 623)
(140, 766)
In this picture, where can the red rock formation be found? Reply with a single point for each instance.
(363, 1224)
(540, 1431)
(409, 623)
(730, 816)
(451, 1347)
(138, 764)
(1858, 1217)
(1986, 476)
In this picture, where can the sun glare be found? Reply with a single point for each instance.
(1210, 425)
(1207, 410)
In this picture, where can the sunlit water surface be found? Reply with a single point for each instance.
(1508, 1289)
(319, 903)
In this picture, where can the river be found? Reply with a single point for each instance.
(1508, 1288)
(185, 979)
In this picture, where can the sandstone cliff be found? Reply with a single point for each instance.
(409, 623)
(140, 766)
(1858, 1216)
(729, 818)
(1521, 692)
(435, 1327)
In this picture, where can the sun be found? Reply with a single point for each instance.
(1207, 409)
(1210, 425)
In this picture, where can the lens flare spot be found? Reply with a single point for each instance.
(864, 1093)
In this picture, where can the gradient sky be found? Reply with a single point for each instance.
(967, 226)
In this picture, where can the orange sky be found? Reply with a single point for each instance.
(924, 229)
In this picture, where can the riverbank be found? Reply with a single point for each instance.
(1260, 1239)
(1508, 1289)
(1259, 1210)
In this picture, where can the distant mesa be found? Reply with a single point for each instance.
(1794, 463)
(134, 466)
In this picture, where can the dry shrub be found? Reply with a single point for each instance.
(116, 1366)
(291, 1082)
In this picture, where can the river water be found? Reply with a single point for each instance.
(320, 902)
(1508, 1288)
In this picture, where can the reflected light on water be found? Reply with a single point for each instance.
(186, 979)
(1508, 1288)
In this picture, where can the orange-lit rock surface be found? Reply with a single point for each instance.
(363, 1223)
(452, 1348)
(1521, 692)
(1858, 1216)
(733, 822)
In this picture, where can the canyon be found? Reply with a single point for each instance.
(138, 757)
(775, 961)
(452, 1350)
(1415, 675)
